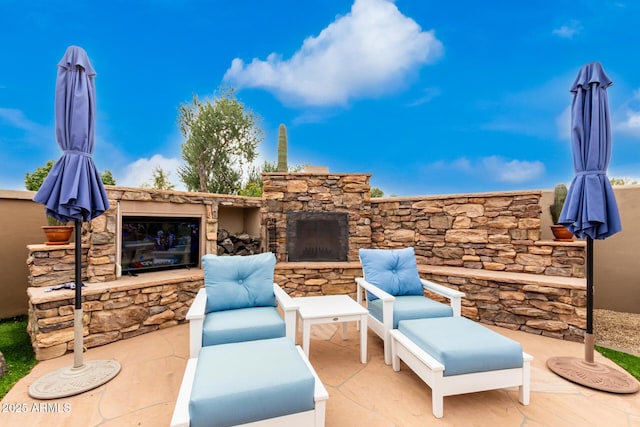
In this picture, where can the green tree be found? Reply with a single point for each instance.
(622, 181)
(253, 184)
(33, 181)
(107, 177)
(221, 138)
(159, 180)
(376, 192)
(282, 149)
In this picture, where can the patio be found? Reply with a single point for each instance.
(144, 392)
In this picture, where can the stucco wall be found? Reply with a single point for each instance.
(617, 259)
(616, 266)
(22, 218)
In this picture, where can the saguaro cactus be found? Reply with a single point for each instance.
(559, 196)
(282, 149)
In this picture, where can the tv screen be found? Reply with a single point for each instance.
(155, 243)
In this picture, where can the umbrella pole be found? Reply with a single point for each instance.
(78, 322)
(589, 338)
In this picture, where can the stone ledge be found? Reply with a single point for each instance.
(39, 295)
(317, 265)
(506, 277)
(575, 243)
(460, 196)
(41, 247)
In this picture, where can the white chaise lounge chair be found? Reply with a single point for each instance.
(244, 368)
(395, 292)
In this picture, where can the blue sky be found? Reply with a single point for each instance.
(430, 97)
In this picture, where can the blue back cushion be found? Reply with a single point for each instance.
(233, 282)
(392, 270)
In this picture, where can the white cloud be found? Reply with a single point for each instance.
(512, 171)
(563, 123)
(631, 125)
(462, 164)
(531, 111)
(368, 52)
(626, 119)
(17, 119)
(141, 172)
(427, 95)
(569, 29)
(495, 168)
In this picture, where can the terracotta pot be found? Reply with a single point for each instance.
(57, 234)
(561, 234)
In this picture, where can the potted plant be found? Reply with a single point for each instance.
(57, 232)
(560, 232)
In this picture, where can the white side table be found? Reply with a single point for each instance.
(331, 309)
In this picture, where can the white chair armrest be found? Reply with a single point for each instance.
(196, 316)
(196, 311)
(455, 297)
(440, 289)
(384, 296)
(284, 300)
(289, 309)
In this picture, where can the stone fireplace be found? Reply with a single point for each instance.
(317, 236)
(316, 216)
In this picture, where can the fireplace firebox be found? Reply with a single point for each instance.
(317, 236)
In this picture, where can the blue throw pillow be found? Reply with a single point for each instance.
(392, 270)
(233, 282)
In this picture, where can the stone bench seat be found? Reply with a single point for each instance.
(454, 355)
(133, 305)
(515, 278)
(262, 382)
(113, 310)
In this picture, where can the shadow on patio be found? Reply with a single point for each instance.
(144, 392)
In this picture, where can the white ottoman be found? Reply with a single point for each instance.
(454, 355)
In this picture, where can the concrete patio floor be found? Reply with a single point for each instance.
(371, 395)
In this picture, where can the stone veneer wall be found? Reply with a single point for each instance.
(54, 265)
(318, 192)
(543, 305)
(495, 233)
(305, 279)
(490, 231)
(111, 312)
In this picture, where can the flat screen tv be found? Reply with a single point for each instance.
(158, 243)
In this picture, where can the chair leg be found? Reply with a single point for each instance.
(387, 348)
(437, 403)
(395, 359)
(524, 391)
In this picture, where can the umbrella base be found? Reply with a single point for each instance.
(70, 381)
(593, 375)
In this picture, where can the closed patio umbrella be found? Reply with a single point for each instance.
(591, 212)
(73, 191)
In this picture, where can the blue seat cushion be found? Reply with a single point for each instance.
(392, 270)
(249, 381)
(411, 307)
(233, 282)
(462, 345)
(245, 324)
